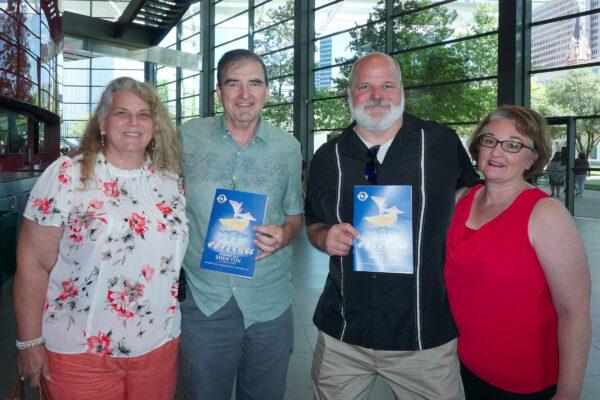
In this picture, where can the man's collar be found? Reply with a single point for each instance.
(260, 133)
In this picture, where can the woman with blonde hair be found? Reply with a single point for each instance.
(98, 258)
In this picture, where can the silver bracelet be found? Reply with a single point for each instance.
(27, 344)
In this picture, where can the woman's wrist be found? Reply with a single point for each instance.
(27, 344)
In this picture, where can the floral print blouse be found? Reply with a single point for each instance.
(113, 289)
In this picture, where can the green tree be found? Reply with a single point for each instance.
(464, 60)
(280, 64)
(573, 94)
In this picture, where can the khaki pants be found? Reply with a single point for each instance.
(344, 371)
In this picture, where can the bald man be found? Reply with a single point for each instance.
(396, 325)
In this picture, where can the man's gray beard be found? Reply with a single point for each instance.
(378, 125)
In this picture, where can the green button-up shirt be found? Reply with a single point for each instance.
(269, 164)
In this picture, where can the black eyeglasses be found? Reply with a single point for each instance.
(371, 169)
(510, 146)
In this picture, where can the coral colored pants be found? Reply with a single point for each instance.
(152, 376)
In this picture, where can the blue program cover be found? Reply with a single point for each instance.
(229, 245)
(383, 219)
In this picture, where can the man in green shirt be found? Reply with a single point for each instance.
(234, 327)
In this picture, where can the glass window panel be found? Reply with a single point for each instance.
(31, 42)
(76, 94)
(190, 26)
(172, 107)
(188, 72)
(226, 9)
(75, 111)
(340, 48)
(190, 86)
(281, 90)
(10, 27)
(331, 114)
(567, 93)
(546, 9)
(166, 74)
(83, 63)
(116, 63)
(13, 133)
(163, 92)
(438, 24)
(45, 35)
(96, 93)
(46, 100)
(464, 131)
(188, 118)
(194, 9)
(170, 38)
(331, 81)
(274, 38)
(83, 7)
(72, 129)
(31, 19)
(272, 12)
(281, 116)
(340, 16)
(218, 106)
(562, 43)
(34, 5)
(8, 83)
(76, 77)
(190, 106)
(238, 44)
(41, 143)
(464, 60)
(191, 45)
(103, 77)
(109, 10)
(280, 63)
(171, 90)
(453, 103)
(44, 79)
(27, 65)
(231, 29)
(321, 137)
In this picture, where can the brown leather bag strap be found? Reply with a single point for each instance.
(18, 389)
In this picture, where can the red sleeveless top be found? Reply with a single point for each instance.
(500, 299)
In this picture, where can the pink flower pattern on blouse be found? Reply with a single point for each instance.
(124, 239)
(100, 344)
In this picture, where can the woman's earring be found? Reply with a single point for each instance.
(153, 145)
(102, 139)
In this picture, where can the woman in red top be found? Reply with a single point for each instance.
(516, 271)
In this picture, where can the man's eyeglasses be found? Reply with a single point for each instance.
(371, 168)
(510, 146)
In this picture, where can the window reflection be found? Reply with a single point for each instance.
(13, 133)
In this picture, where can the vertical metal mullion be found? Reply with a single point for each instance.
(207, 14)
(303, 83)
(389, 26)
(178, 78)
(526, 24)
(512, 52)
(251, 25)
(570, 178)
(150, 73)
(90, 100)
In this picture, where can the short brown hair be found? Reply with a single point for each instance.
(528, 123)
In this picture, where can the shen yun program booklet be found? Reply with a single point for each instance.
(383, 219)
(229, 245)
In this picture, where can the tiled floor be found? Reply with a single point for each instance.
(309, 271)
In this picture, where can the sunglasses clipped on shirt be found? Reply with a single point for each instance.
(371, 167)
